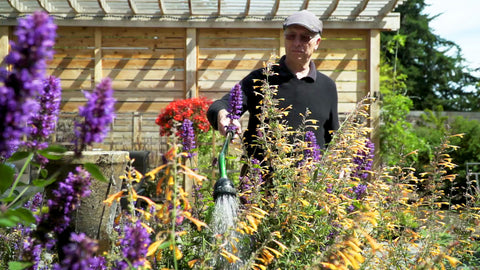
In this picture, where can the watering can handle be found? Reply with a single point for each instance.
(221, 157)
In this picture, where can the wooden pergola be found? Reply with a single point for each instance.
(156, 51)
(363, 14)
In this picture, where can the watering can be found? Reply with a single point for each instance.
(224, 186)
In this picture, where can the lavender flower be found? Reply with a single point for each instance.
(313, 150)
(235, 106)
(35, 39)
(360, 191)
(98, 113)
(251, 183)
(43, 122)
(80, 254)
(188, 136)
(134, 246)
(65, 199)
(364, 161)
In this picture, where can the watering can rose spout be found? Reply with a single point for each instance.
(223, 187)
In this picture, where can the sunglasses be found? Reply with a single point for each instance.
(303, 38)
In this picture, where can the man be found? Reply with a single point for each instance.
(300, 86)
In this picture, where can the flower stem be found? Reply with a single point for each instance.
(27, 163)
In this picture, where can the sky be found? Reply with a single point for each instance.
(459, 21)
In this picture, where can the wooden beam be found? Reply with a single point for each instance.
(389, 7)
(161, 6)
(331, 8)
(190, 8)
(46, 5)
(191, 56)
(75, 6)
(219, 7)
(358, 9)
(247, 8)
(104, 6)
(305, 4)
(98, 71)
(275, 8)
(133, 6)
(17, 5)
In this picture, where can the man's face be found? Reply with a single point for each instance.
(300, 43)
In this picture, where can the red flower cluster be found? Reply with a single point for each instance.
(194, 109)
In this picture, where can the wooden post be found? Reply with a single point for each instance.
(4, 46)
(374, 89)
(281, 49)
(98, 73)
(191, 90)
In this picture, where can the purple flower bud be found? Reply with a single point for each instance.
(235, 105)
(364, 161)
(188, 136)
(98, 114)
(43, 122)
(134, 246)
(64, 200)
(80, 254)
(313, 150)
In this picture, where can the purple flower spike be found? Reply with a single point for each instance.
(235, 105)
(65, 199)
(43, 122)
(80, 254)
(313, 150)
(188, 136)
(364, 161)
(134, 246)
(98, 113)
(20, 87)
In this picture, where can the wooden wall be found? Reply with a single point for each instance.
(148, 65)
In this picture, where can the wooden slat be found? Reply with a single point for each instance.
(64, 63)
(234, 75)
(238, 43)
(344, 44)
(71, 74)
(141, 42)
(76, 84)
(148, 74)
(143, 54)
(215, 33)
(75, 31)
(223, 87)
(148, 85)
(235, 54)
(150, 32)
(143, 63)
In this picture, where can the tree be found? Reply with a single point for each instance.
(435, 76)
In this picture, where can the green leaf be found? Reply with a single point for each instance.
(18, 156)
(6, 222)
(42, 182)
(95, 172)
(18, 265)
(53, 152)
(7, 176)
(24, 214)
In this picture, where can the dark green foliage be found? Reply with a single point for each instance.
(437, 73)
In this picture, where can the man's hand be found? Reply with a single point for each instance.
(223, 121)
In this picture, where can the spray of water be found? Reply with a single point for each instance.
(224, 224)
